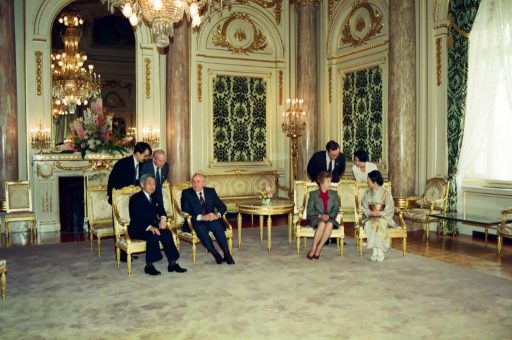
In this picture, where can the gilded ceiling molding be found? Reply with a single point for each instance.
(436, 9)
(39, 76)
(359, 50)
(280, 87)
(438, 61)
(199, 83)
(147, 62)
(330, 8)
(277, 4)
(221, 39)
(305, 2)
(376, 24)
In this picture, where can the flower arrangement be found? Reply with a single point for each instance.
(93, 132)
(266, 193)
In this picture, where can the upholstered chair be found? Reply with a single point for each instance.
(180, 216)
(121, 212)
(360, 235)
(504, 228)
(3, 278)
(99, 214)
(302, 228)
(348, 195)
(433, 200)
(19, 206)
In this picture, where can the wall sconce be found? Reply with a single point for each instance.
(40, 138)
(151, 136)
(294, 123)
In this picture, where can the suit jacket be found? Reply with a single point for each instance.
(190, 203)
(149, 168)
(122, 175)
(143, 214)
(316, 207)
(318, 163)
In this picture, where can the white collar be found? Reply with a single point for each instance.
(135, 161)
(147, 195)
(327, 159)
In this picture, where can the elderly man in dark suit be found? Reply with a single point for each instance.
(148, 221)
(331, 160)
(206, 210)
(126, 172)
(159, 168)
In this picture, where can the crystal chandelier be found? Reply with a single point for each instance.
(161, 15)
(73, 84)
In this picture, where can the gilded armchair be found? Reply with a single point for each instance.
(304, 230)
(99, 214)
(180, 216)
(121, 212)
(504, 228)
(3, 278)
(18, 196)
(433, 200)
(360, 235)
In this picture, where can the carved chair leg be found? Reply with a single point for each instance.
(500, 242)
(129, 262)
(90, 238)
(99, 246)
(360, 240)
(3, 281)
(118, 256)
(404, 244)
(193, 252)
(230, 244)
(426, 230)
(7, 230)
(341, 242)
(305, 243)
(298, 245)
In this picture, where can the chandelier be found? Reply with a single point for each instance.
(73, 84)
(161, 15)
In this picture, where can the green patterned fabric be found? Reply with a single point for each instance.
(239, 119)
(362, 113)
(463, 13)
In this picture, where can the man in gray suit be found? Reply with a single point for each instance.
(158, 168)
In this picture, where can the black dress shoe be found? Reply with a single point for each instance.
(151, 270)
(176, 268)
(229, 259)
(217, 256)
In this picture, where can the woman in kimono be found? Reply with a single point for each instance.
(378, 211)
(323, 208)
(362, 167)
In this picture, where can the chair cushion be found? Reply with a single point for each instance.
(3, 263)
(418, 213)
(102, 230)
(20, 215)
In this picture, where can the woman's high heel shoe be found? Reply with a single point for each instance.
(309, 256)
(316, 257)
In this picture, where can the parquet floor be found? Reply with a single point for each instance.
(462, 250)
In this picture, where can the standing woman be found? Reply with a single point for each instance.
(323, 208)
(362, 167)
(378, 211)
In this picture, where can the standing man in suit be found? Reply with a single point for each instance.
(148, 221)
(331, 160)
(206, 210)
(126, 172)
(159, 168)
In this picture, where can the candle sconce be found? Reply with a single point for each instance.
(151, 136)
(294, 123)
(40, 138)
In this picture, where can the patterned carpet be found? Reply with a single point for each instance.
(63, 291)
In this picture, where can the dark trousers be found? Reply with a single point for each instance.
(153, 252)
(203, 228)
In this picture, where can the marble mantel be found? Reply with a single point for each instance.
(46, 170)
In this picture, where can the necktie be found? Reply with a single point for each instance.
(204, 207)
(150, 199)
(158, 178)
(137, 172)
(330, 166)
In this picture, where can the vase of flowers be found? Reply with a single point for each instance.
(266, 194)
(93, 132)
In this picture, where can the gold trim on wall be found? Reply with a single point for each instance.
(268, 4)
(147, 63)
(39, 76)
(355, 51)
(220, 36)
(438, 61)
(239, 59)
(280, 87)
(330, 84)
(199, 83)
(376, 19)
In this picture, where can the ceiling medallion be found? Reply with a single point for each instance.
(220, 37)
(368, 23)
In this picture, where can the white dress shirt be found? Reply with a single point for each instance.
(327, 161)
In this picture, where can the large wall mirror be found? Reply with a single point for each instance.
(108, 40)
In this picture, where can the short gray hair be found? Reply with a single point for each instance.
(199, 174)
(159, 151)
(145, 177)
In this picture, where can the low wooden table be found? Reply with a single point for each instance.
(278, 206)
(485, 222)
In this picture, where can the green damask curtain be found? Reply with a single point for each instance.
(463, 13)
(362, 113)
(239, 119)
